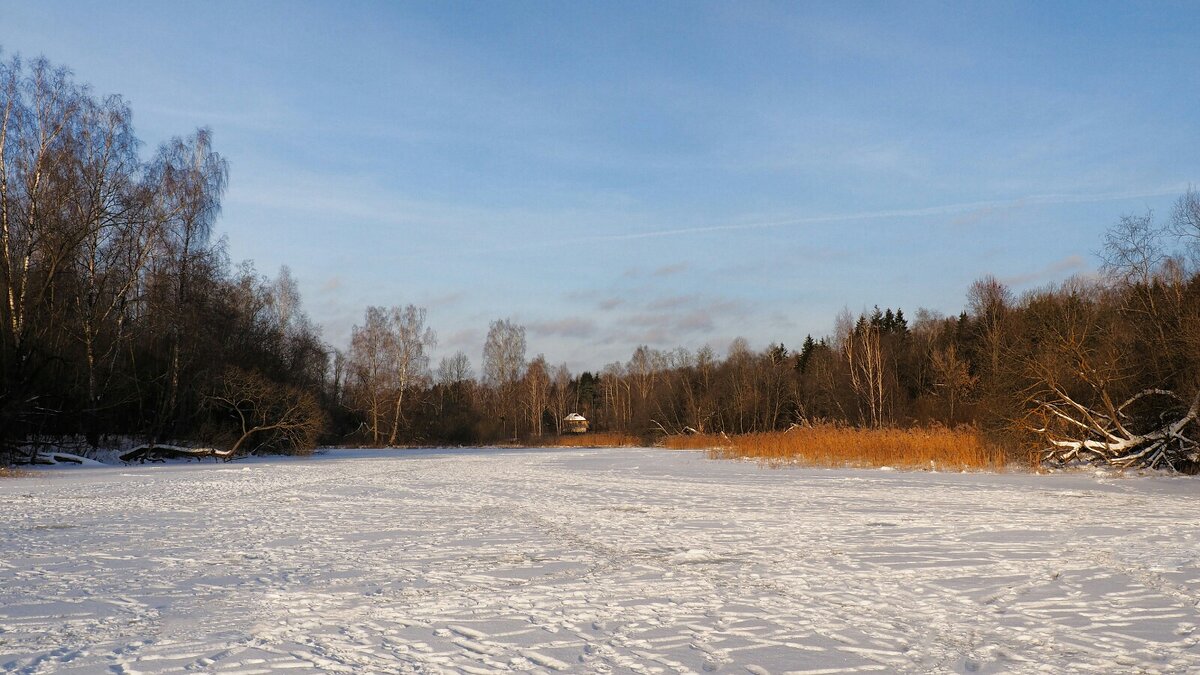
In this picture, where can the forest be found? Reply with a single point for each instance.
(121, 316)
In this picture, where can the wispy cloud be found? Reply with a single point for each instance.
(671, 302)
(940, 210)
(442, 300)
(1055, 270)
(468, 338)
(670, 270)
(572, 327)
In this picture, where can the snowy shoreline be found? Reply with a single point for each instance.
(109, 458)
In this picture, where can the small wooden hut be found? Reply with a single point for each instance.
(575, 424)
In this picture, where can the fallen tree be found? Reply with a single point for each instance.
(50, 458)
(1112, 435)
(44, 453)
(160, 453)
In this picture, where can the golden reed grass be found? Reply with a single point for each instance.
(10, 472)
(924, 448)
(589, 440)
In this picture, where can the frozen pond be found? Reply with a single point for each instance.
(592, 560)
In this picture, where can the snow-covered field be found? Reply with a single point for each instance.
(592, 560)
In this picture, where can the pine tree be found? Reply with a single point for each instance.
(806, 352)
(877, 318)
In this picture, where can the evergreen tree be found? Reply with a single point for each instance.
(877, 318)
(806, 352)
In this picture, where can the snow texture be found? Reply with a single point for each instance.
(592, 561)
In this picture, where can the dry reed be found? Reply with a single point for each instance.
(589, 440)
(937, 448)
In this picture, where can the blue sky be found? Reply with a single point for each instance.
(612, 174)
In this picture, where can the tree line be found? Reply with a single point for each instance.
(121, 316)
(1101, 368)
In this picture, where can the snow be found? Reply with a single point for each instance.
(62, 459)
(612, 560)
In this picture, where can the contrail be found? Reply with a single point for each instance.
(945, 209)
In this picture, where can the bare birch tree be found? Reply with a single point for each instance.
(410, 338)
(537, 392)
(503, 364)
(188, 179)
(454, 369)
(864, 356)
(370, 363)
(560, 395)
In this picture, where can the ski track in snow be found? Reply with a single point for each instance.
(641, 561)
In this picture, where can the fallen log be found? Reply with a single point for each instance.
(50, 458)
(161, 453)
